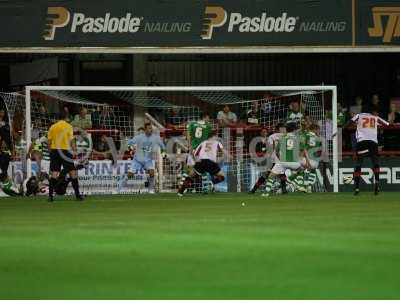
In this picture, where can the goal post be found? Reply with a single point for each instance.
(306, 93)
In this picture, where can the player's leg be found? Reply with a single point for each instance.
(361, 151)
(374, 155)
(69, 166)
(149, 167)
(277, 172)
(198, 169)
(55, 168)
(260, 181)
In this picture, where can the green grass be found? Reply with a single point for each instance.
(321, 247)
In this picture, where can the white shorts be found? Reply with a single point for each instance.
(313, 163)
(281, 167)
(45, 166)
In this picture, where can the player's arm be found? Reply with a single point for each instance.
(382, 122)
(188, 135)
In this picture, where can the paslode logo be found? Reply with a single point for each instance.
(216, 16)
(60, 17)
(56, 17)
(392, 29)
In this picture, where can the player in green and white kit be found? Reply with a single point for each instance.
(288, 152)
(197, 132)
(39, 151)
(311, 148)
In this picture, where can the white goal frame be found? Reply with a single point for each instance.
(322, 88)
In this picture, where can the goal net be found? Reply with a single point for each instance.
(117, 114)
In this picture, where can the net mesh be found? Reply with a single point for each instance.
(169, 113)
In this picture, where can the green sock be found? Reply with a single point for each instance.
(269, 184)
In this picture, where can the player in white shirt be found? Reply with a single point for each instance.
(367, 145)
(272, 142)
(206, 162)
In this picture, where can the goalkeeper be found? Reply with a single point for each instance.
(146, 145)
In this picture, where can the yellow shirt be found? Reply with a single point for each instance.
(60, 135)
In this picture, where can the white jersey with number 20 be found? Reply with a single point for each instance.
(208, 150)
(367, 127)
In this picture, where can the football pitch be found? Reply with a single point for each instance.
(219, 246)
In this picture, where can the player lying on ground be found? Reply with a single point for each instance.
(271, 145)
(36, 186)
(146, 146)
(367, 145)
(206, 162)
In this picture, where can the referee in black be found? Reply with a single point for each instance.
(61, 142)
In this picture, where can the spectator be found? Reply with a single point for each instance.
(103, 148)
(67, 114)
(394, 114)
(96, 114)
(2, 117)
(294, 115)
(376, 105)
(357, 108)
(83, 120)
(253, 116)
(392, 138)
(226, 118)
(175, 118)
(153, 80)
(341, 115)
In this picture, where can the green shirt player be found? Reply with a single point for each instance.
(39, 151)
(311, 149)
(197, 132)
(288, 153)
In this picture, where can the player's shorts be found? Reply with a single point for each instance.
(280, 167)
(206, 166)
(367, 148)
(137, 165)
(313, 163)
(61, 158)
(45, 166)
(190, 161)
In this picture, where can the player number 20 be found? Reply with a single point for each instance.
(368, 123)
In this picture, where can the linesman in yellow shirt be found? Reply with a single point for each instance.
(62, 146)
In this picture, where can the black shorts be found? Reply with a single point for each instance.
(206, 165)
(367, 148)
(61, 158)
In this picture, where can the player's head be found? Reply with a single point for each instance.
(63, 115)
(291, 126)
(264, 132)
(148, 128)
(205, 116)
(280, 128)
(295, 106)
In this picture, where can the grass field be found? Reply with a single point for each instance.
(321, 246)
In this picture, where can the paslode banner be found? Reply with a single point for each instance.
(153, 23)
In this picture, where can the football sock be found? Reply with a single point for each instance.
(75, 186)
